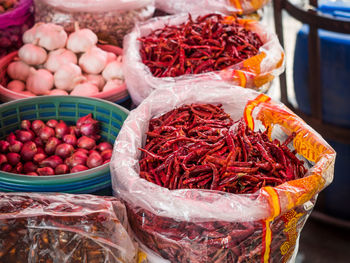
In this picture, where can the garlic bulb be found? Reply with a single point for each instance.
(85, 89)
(113, 70)
(18, 70)
(29, 35)
(51, 36)
(81, 40)
(58, 92)
(16, 85)
(112, 84)
(111, 57)
(40, 81)
(93, 61)
(66, 76)
(32, 54)
(97, 80)
(59, 57)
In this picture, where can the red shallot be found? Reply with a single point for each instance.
(45, 171)
(28, 151)
(15, 146)
(78, 168)
(64, 150)
(62, 169)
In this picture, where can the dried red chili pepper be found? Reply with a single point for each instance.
(211, 156)
(208, 44)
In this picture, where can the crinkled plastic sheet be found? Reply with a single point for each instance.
(179, 224)
(224, 6)
(111, 20)
(256, 72)
(63, 228)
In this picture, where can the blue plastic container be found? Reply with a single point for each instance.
(335, 86)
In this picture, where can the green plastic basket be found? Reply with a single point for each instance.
(69, 109)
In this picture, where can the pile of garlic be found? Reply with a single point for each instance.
(53, 63)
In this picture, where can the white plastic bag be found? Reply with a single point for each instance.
(111, 20)
(180, 224)
(224, 6)
(64, 228)
(255, 72)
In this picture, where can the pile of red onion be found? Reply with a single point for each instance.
(53, 147)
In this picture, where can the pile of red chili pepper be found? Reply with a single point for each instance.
(209, 43)
(199, 146)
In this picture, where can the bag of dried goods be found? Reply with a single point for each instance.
(190, 48)
(63, 228)
(224, 6)
(16, 16)
(111, 20)
(215, 173)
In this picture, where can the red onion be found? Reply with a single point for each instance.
(18, 169)
(39, 157)
(40, 150)
(104, 146)
(84, 151)
(92, 151)
(70, 139)
(28, 151)
(11, 138)
(78, 168)
(38, 141)
(51, 123)
(86, 143)
(37, 125)
(64, 150)
(24, 136)
(88, 126)
(13, 158)
(51, 145)
(45, 133)
(3, 159)
(51, 161)
(32, 173)
(77, 158)
(74, 130)
(6, 167)
(94, 160)
(4, 146)
(61, 129)
(106, 154)
(45, 171)
(29, 167)
(16, 147)
(62, 169)
(25, 124)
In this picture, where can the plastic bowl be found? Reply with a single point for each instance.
(67, 108)
(118, 95)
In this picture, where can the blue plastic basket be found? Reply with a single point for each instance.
(68, 108)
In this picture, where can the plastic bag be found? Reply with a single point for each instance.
(13, 24)
(224, 6)
(63, 228)
(111, 20)
(255, 72)
(212, 226)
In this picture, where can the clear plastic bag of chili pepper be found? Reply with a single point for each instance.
(187, 48)
(224, 6)
(215, 173)
(64, 228)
